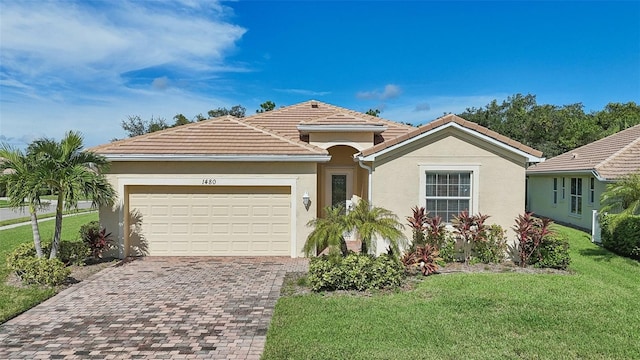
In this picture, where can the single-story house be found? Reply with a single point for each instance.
(249, 186)
(567, 187)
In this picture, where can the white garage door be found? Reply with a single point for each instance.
(212, 221)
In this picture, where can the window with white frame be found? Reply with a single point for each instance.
(555, 191)
(576, 196)
(448, 193)
(592, 190)
(563, 187)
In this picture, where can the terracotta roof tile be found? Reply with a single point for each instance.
(612, 157)
(458, 120)
(225, 135)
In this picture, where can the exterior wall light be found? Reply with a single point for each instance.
(306, 200)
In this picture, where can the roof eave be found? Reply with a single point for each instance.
(219, 158)
(530, 158)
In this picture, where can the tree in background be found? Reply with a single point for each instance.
(135, 126)
(550, 128)
(266, 106)
(18, 174)
(180, 120)
(237, 111)
(373, 112)
(71, 173)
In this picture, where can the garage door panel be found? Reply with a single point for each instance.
(214, 220)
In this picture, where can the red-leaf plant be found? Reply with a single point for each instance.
(425, 257)
(418, 223)
(531, 232)
(470, 229)
(435, 231)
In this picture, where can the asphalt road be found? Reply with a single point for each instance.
(8, 213)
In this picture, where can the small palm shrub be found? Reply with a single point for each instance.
(96, 238)
(354, 272)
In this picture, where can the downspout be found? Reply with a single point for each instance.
(370, 190)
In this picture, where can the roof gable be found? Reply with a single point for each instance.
(224, 135)
(533, 155)
(611, 157)
(285, 121)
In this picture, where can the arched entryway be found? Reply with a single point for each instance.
(340, 178)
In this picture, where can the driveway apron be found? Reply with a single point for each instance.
(156, 308)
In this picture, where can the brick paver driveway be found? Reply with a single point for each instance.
(156, 308)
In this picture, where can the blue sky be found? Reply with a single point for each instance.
(86, 66)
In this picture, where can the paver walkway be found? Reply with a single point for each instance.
(156, 308)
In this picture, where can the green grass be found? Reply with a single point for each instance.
(43, 216)
(590, 314)
(14, 300)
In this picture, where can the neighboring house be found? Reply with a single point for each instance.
(567, 188)
(229, 186)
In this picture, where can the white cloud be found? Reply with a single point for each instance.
(390, 91)
(423, 106)
(67, 41)
(304, 92)
(438, 106)
(161, 83)
(88, 65)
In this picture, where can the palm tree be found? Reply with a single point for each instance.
(71, 173)
(17, 172)
(327, 233)
(623, 196)
(371, 222)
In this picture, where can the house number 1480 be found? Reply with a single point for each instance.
(208, 181)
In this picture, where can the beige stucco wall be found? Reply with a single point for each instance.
(540, 194)
(500, 185)
(358, 140)
(301, 176)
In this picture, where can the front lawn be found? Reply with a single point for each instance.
(591, 314)
(15, 300)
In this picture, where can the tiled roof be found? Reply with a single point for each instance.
(224, 135)
(449, 119)
(342, 118)
(285, 121)
(612, 157)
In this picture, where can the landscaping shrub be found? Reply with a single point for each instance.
(70, 252)
(425, 258)
(621, 234)
(531, 231)
(552, 253)
(354, 272)
(494, 248)
(34, 271)
(448, 251)
(417, 222)
(96, 238)
(470, 230)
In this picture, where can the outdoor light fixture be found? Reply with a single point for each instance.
(306, 200)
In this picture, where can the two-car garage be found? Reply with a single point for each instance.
(210, 220)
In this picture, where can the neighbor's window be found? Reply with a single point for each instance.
(563, 187)
(576, 196)
(555, 191)
(592, 190)
(448, 193)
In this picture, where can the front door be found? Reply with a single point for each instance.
(339, 185)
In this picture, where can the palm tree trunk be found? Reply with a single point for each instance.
(36, 231)
(56, 235)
